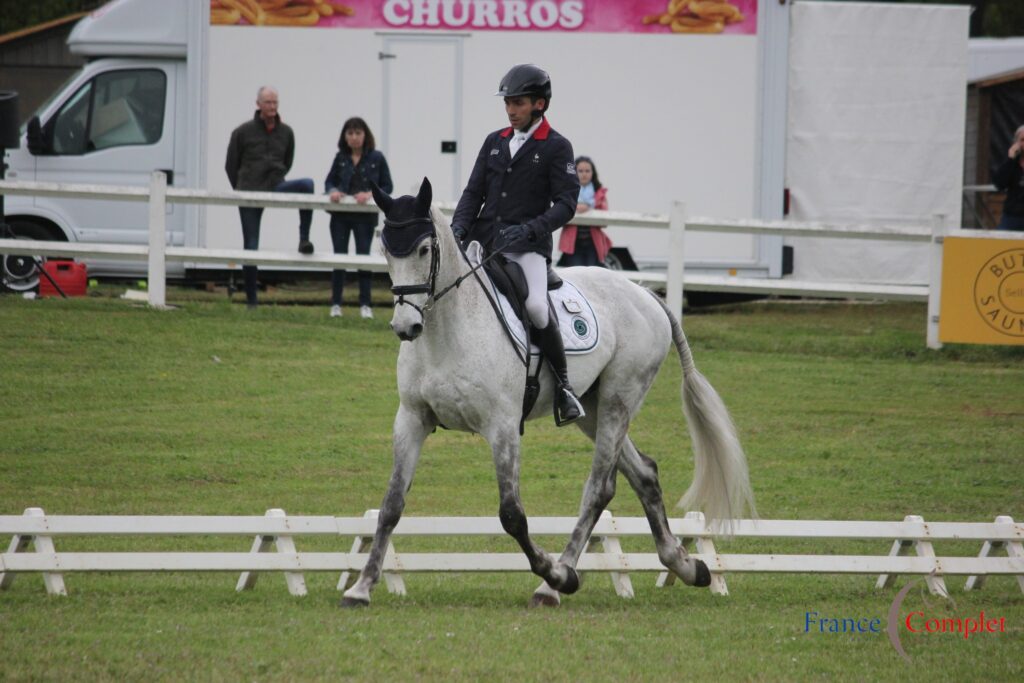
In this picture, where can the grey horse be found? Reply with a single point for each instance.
(456, 369)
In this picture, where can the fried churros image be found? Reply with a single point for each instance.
(275, 12)
(696, 16)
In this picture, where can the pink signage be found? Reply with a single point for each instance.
(668, 17)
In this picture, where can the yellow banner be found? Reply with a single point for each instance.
(982, 291)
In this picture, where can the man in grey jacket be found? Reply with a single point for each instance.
(260, 154)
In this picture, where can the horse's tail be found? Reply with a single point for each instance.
(721, 483)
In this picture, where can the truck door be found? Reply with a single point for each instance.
(115, 129)
(422, 69)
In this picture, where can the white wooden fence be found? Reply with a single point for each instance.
(274, 548)
(673, 279)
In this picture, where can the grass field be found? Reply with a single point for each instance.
(107, 407)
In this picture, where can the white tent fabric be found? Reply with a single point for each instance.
(878, 143)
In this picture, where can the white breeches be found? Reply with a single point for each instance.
(535, 267)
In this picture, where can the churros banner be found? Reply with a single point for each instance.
(669, 17)
(982, 291)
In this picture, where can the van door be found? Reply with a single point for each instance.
(116, 128)
(422, 69)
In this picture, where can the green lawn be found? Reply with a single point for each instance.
(107, 407)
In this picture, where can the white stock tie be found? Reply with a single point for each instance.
(517, 141)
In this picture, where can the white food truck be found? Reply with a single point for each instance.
(666, 115)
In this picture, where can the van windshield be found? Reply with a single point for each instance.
(50, 98)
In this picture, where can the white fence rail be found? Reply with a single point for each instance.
(674, 279)
(278, 532)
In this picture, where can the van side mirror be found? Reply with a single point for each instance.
(36, 141)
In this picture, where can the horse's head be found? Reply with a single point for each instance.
(411, 248)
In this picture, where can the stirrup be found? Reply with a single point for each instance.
(574, 410)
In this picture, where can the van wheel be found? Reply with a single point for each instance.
(18, 272)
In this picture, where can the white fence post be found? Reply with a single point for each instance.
(935, 279)
(1013, 549)
(611, 545)
(157, 283)
(43, 544)
(936, 584)
(285, 544)
(676, 254)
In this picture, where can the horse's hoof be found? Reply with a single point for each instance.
(544, 600)
(703, 579)
(349, 603)
(571, 583)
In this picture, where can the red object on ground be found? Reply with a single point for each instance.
(69, 275)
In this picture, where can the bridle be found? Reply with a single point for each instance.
(428, 287)
(402, 291)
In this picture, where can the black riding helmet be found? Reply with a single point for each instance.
(526, 79)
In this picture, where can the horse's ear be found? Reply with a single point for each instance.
(383, 200)
(425, 196)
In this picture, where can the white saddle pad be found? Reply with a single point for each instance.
(577, 321)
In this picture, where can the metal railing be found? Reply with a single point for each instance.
(674, 278)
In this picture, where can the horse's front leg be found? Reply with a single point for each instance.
(410, 431)
(505, 449)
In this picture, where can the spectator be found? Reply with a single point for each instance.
(586, 245)
(1010, 177)
(260, 154)
(356, 165)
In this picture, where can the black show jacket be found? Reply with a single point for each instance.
(538, 188)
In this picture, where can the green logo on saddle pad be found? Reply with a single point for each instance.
(579, 326)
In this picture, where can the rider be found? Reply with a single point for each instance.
(524, 187)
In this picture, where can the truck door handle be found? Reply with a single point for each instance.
(386, 55)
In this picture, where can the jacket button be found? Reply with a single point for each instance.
(498, 219)
(504, 194)
(508, 170)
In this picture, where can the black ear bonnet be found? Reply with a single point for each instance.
(400, 237)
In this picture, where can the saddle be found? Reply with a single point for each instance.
(509, 279)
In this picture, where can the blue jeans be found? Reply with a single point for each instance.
(1011, 223)
(251, 217)
(341, 227)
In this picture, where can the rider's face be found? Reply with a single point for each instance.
(519, 109)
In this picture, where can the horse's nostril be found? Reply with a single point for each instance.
(416, 330)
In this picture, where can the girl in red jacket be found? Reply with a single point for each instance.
(586, 245)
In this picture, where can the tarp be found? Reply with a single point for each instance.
(877, 97)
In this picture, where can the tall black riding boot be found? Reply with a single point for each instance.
(567, 406)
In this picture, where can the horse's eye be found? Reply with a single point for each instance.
(424, 249)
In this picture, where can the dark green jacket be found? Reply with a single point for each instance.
(258, 160)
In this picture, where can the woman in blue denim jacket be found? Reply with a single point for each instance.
(357, 164)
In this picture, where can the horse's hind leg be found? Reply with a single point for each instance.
(607, 427)
(410, 431)
(642, 474)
